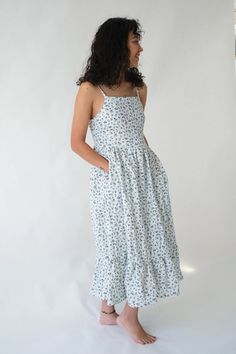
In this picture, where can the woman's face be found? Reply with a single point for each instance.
(135, 49)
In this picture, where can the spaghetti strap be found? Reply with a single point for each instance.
(102, 91)
(137, 91)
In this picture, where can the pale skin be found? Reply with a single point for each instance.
(88, 103)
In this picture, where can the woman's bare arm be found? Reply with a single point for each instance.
(82, 114)
(143, 98)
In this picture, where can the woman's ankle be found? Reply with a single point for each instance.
(129, 313)
(105, 307)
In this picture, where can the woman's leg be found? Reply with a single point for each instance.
(105, 307)
(108, 314)
(128, 320)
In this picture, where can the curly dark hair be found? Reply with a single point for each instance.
(109, 61)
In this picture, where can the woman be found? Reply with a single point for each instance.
(136, 252)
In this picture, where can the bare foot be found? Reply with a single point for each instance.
(108, 319)
(134, 328)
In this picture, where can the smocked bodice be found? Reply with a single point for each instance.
(119, 123)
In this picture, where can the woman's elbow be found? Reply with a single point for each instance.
(76, 146)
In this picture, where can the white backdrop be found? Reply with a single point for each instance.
(46, 245)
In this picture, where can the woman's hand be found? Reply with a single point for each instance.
(106, 168)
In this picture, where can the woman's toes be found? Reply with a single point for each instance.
(149, 339)
(150, 335)
(140, 341)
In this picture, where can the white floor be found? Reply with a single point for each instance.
(202, 320)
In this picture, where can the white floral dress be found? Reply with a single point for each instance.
(137, 257)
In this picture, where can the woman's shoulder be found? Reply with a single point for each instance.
(88, 86)
(88, 89)
(143, 90)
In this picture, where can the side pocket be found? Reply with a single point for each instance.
(99, 170)
(109, 167)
